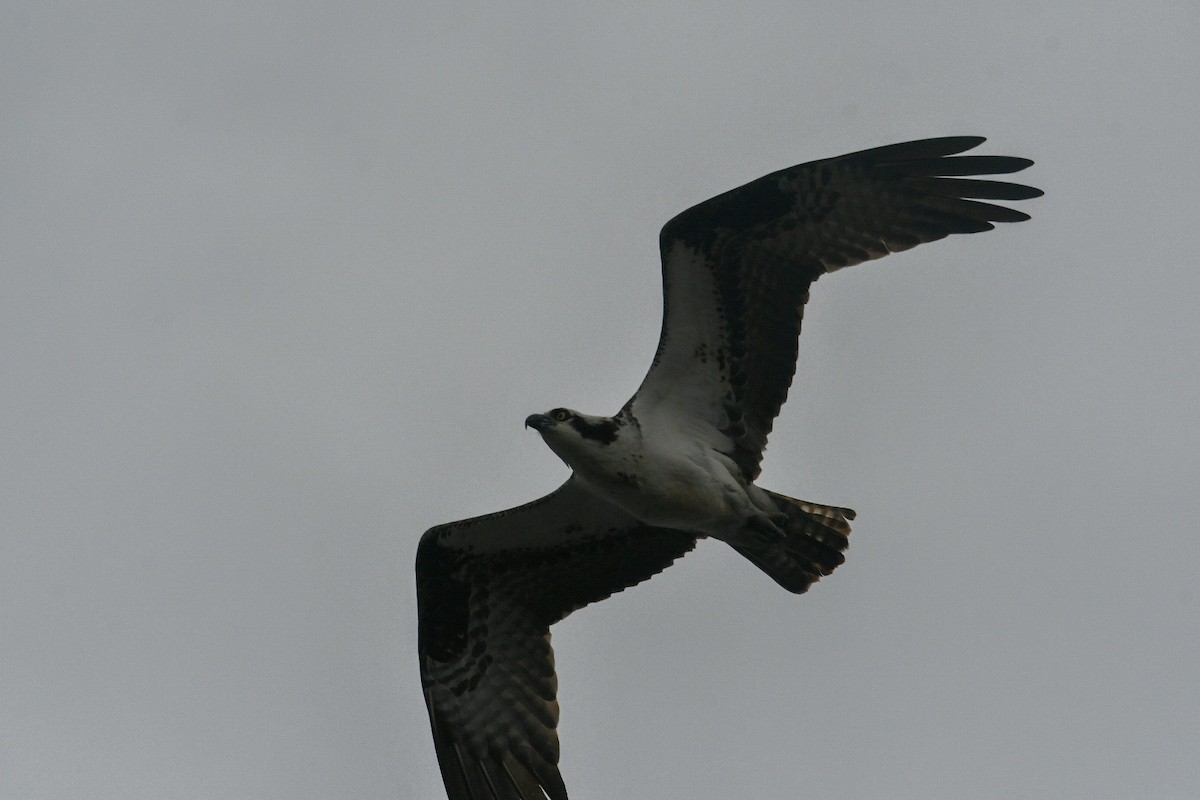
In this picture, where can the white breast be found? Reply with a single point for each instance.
(682, 484)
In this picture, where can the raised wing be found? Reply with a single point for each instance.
(488, 590)
(737, 269)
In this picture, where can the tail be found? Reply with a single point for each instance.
(816, 537)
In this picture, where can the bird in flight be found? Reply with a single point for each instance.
(678, 462)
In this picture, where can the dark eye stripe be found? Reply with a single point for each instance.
(604, 432)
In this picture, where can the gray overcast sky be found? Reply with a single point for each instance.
(281, 282)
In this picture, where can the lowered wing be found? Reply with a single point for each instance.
(488, 590)
(737, 269)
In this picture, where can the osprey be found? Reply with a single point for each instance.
(678, 462)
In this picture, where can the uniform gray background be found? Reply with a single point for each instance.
(281, 281)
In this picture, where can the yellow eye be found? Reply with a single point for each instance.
(560, 415)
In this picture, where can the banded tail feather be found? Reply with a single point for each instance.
(817, 536)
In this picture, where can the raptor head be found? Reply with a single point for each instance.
(571, 434)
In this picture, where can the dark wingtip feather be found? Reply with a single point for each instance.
(919, 149)
(967, 187)
(954, 165)
(986, 211)
(983, 165)
(1005, 214)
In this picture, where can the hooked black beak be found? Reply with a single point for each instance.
(538, 421)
